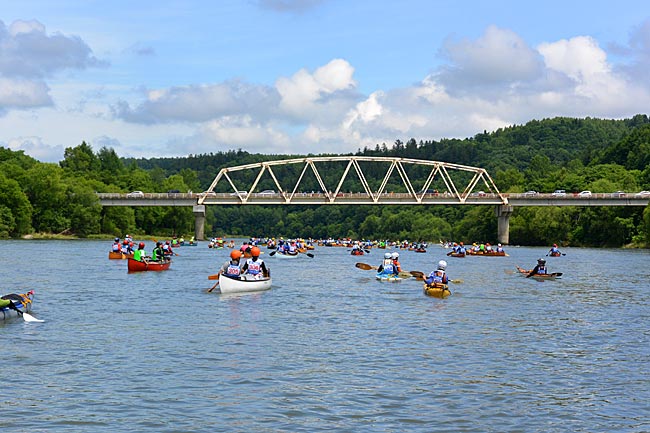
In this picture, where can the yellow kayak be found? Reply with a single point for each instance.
(437, 290)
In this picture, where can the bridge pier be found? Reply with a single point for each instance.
(199, 221)
(503, 213)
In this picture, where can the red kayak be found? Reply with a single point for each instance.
(138, 266)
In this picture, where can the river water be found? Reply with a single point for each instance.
(328, 348)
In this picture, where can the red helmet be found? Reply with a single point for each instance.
(141, 245)
(167, 243)
(235, 254)
(255, 252)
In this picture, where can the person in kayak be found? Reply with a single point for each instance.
(9, 304)
(231, 267)
(397, 267)
(540, 269)
(554, 251)
(255, 266)
(439, 275)
(387, 267)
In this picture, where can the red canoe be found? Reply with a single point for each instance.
(137, 266)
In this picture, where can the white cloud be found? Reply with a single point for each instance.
(36, 148)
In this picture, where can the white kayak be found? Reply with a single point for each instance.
(389, 278)
(230, 285)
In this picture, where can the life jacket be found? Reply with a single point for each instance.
(233, 270)
(437, 276)
(541, 269)
(116, 247)
(254, 267)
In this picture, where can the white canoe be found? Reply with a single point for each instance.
(285, 255)
(230, 285)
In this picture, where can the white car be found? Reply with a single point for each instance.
(135, 194)
(642, 194)
(239, 193)
(267, 192)
(530, 193)
(584, 194)
(559, 193)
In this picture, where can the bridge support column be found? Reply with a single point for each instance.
(503, 213)
(199, 221)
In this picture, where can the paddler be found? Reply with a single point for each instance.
(231, 268)
(439, 275)
(540, 269)
(255, 266)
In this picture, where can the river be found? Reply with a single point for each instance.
(328, 348)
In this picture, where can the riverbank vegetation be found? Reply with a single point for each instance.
(599, 155)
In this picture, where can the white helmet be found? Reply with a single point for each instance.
(442, 265)
(387, 256)
(395, 255)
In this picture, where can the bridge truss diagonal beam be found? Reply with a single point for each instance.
(290, 191)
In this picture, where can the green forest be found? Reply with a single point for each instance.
(599, 155)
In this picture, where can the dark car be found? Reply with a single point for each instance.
(173, 191)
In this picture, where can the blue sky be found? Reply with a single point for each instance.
(172, 78)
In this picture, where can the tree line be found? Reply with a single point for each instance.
(600, 155)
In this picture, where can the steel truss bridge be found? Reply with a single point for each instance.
(444, 184)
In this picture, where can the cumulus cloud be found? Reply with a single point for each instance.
(36, 148)
(27, 51)
(23, 94)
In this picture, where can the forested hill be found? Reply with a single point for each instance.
(561, 139)
(561, 153)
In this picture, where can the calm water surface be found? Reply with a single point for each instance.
(328, 348)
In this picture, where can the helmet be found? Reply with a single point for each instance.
(541, 261)
(498, 245)
(255, 252)
(442, 265)
(141, 245)
(554, 245)
(395, 255)
(117, 239)
(235, 254)
(461, 244)
(167, 243)
(387, 256)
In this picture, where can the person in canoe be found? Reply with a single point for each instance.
(167, 249)
(231, 267)
(499, 248)
(439, 275)
(539, 269)
(387, 267)
(140, 254)
(255, 266)
(116, 247)
(554, 251)
(158, 254)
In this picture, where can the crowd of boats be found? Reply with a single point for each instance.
(252, 274)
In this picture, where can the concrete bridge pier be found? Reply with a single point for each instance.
(503, 213)
(199, 221)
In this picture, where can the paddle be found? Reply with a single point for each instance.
(215, 285)
(272, 253)
(563, 254)
(554, 274)
(367, 267)
(420, 277)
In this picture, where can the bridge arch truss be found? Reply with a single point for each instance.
(459, 190)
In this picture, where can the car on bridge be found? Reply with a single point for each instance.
(135, 194)
(619, 194)
(530, 193)
(267, 192)
(559, 193)
(584, 194)
(642, 194)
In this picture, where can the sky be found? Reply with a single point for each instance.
(170, 78)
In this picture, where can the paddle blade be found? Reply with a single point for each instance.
(213, 277)
(417, 274)
(30, 318)
(456, 281)
(364, 266)
(272, 253)
(310, 255)
(404, 274)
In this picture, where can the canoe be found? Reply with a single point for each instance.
(23, 301)
(459, 255)
(388, 278)
(437, 290)
(137, 266)
(488, 254)
(230, 285)
(282, 255)
(118, 255)
(356, 252)
(555, 254)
